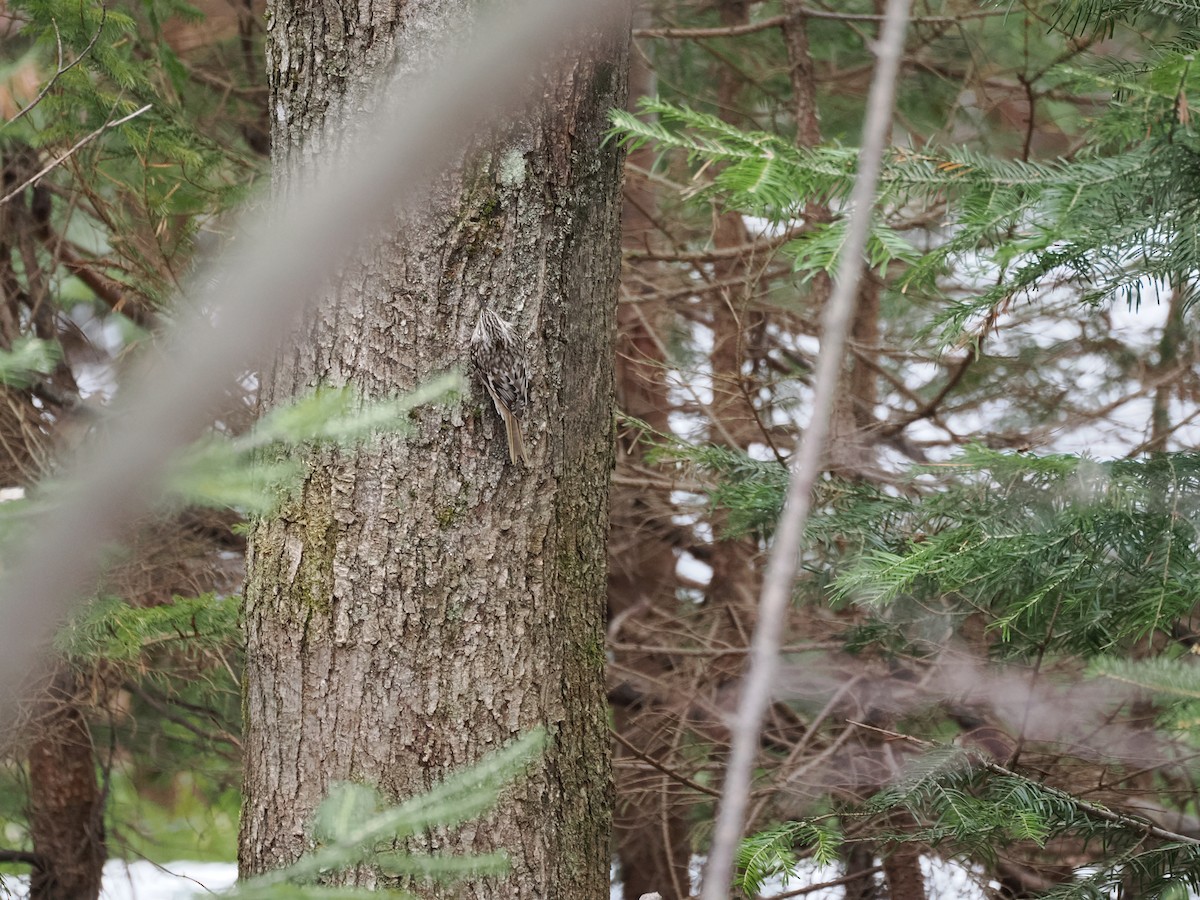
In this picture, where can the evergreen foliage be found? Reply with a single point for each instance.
(1111, 225)
(1067, 554)
(774, 851)
(109, 630)
(1058, 548)
(28, 358)
(1066, 561)
(1170, 678)
(151, 184)
(354, 827)
(252, 472)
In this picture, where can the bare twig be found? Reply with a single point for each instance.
(669, 772)
(928, 409)
(725, 31)
(163, 708)
(813, 888)
(804, 12)
(720, 649)
(781, 569)
(766, 245)
(810, 732)
(58, 161)
(390, 157)
(111, 292)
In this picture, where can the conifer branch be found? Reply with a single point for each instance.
(59, 160)
(1095, 811)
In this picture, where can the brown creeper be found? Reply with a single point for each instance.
(498, 358)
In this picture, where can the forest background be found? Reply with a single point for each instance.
(989, 656)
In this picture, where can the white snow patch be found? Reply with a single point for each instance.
(147, 881)
(687, 566)
(183, 880)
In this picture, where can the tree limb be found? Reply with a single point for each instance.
(781, 569)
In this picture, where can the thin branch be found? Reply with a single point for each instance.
(813, 888)
(720, 650)
(781, 569)
(654, 336)
(108, 290)
(1038, 662)
(758, 420)
(162, 707)
(51, 166)
(810, 732)
(695, 290)
(766, 245)
(931, 407)
(803, 12)
(61, 69)
(36, 860)
(670, 773)
(726, 31)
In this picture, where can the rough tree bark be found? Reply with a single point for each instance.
(66, 804)
(421, 601)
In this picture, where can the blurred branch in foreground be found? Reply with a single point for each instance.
(244, 305)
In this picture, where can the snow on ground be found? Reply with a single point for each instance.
(943, 881)
(147, 881)
(187, 880)
(184, 880)
(174, 881)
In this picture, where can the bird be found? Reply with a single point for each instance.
(500, 361)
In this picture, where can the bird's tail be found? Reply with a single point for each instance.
(516, 438)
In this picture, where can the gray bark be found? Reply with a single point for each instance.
(420, 601)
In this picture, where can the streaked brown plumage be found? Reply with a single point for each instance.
(498, 358)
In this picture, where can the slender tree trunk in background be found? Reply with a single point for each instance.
(65, 803)
(650, 825)
(902, 865)
(902, 869)
(733, 590)
(859, 859)
(1173, 351)
(66, 814)
(422, 601)
(851, 445)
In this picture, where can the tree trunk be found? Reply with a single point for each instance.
(66, 805)
(902, 869)
(421, 601)
(851, 441)
(859, 862)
